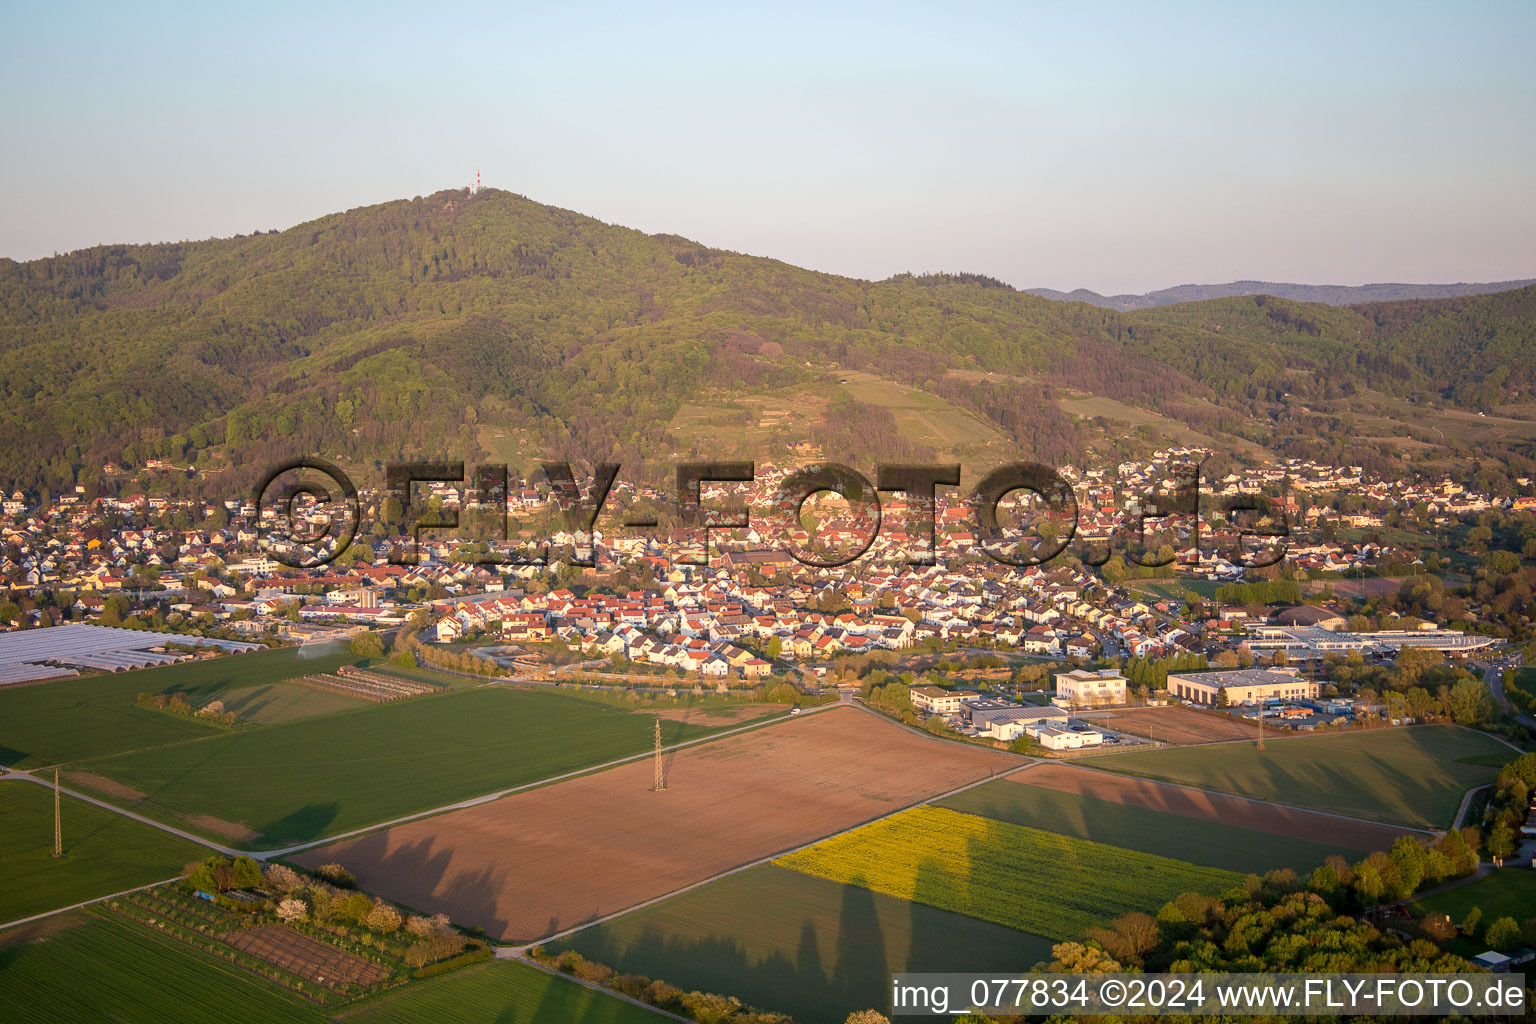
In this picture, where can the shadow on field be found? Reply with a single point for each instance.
(306, 823)
(413, 874)
(807, 987)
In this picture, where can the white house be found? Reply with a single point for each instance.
(1080, 688)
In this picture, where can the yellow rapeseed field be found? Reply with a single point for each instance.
(1041, 882)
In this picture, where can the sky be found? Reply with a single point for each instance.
(1117, 147)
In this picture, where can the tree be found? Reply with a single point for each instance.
(383, 919)
(368, 645)
(1469, 702)
(281, 878)
(355, 906)
(1502, 563)
(867, 1017)
(1503, 933)
(291, 909)
(1472, 922)
(1075, 957)
(1501, 842)
(1225, 660)
(775, 647)
(245, 873)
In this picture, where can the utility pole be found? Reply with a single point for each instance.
(661, 778)
(58, 827)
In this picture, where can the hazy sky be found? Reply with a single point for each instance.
(1115, 147)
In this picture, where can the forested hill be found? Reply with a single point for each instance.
(403, 328)
(1332, 294)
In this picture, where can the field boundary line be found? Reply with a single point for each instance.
(6, 926)
(519, 948)
(1250, 799)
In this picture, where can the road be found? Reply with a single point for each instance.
(1494, 676)
(12, 773)
(83, 903)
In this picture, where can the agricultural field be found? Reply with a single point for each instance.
(1209, 842)
(786, 941)
(1177, 724)
(88, 968)
(283, 702)
(1510, 892)
(1078, 780)
(104, 852)
(299, 781)
(538, 862)
(69, 719)
(506, 992)
(369, 687)
(326, 966)
(1042, 882)
(85, 967)
(1414, 776)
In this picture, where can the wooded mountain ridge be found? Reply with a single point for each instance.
(406, 327)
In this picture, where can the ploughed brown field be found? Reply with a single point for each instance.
(1198, 804)
(1177, 724)
(537, 863)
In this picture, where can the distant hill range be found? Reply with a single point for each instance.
(1329, 294)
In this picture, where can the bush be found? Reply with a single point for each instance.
(474, 956)
(1504, 933)
(337, 876)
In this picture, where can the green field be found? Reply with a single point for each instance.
(1173, 590)
(90, 968)
(283, 702)
(314, 777)
(103, 852)
(1414, 776)
(109, 970)
(69, 719)
(1141, 828)
(1509, 892)
(786, 941)
(1024, 878)
(504, 992)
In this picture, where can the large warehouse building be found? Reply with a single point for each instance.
(1242, 686)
